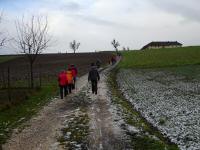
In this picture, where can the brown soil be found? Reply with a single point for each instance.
(47, 66)
(51, 64)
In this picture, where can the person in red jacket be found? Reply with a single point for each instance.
(74, 74)
(62, 80)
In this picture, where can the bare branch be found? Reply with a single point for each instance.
(115, 44)
(2, 39)
(32, 37)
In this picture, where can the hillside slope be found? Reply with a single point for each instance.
(161, 57)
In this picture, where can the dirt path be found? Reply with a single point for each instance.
(105, 132)
(42, 131)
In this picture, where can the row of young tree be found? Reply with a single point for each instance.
(75, 45)
(116, 44)
(33, 38)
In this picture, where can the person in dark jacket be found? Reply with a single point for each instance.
(98, 63)
(94, 77)
(113, 60)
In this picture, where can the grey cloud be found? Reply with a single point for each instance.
(71, 6)
(127, 20)
(189, 9)
(98, 21)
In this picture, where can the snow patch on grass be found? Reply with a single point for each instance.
(169, 102)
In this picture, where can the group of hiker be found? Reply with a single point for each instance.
(67, 79)
(113, 60)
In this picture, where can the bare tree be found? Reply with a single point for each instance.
(126, 49)
(115, 44)
(74, 45)
(32, 39)
(2, 39)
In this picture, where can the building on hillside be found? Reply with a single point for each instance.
(157, 45)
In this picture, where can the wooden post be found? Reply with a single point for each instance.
(40, 76)
(9, 90)
(3, 79)
(31, 75)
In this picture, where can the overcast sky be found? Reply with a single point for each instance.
(95, 23)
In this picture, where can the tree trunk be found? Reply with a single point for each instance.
(40, 77)
(31, 75)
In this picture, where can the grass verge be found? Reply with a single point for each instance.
(146, 140)
(76, 130)
(13, 117)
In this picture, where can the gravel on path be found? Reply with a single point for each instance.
(105, 132)
(40, 131)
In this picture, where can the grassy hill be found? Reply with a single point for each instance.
(161, 57)
(4, 58)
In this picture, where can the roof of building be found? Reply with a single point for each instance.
(162, 43)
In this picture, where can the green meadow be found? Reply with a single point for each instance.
(156, 58)
(14, 116)
(6, 58)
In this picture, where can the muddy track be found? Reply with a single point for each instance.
(41, 132)
(41, 129)
(105, 133)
